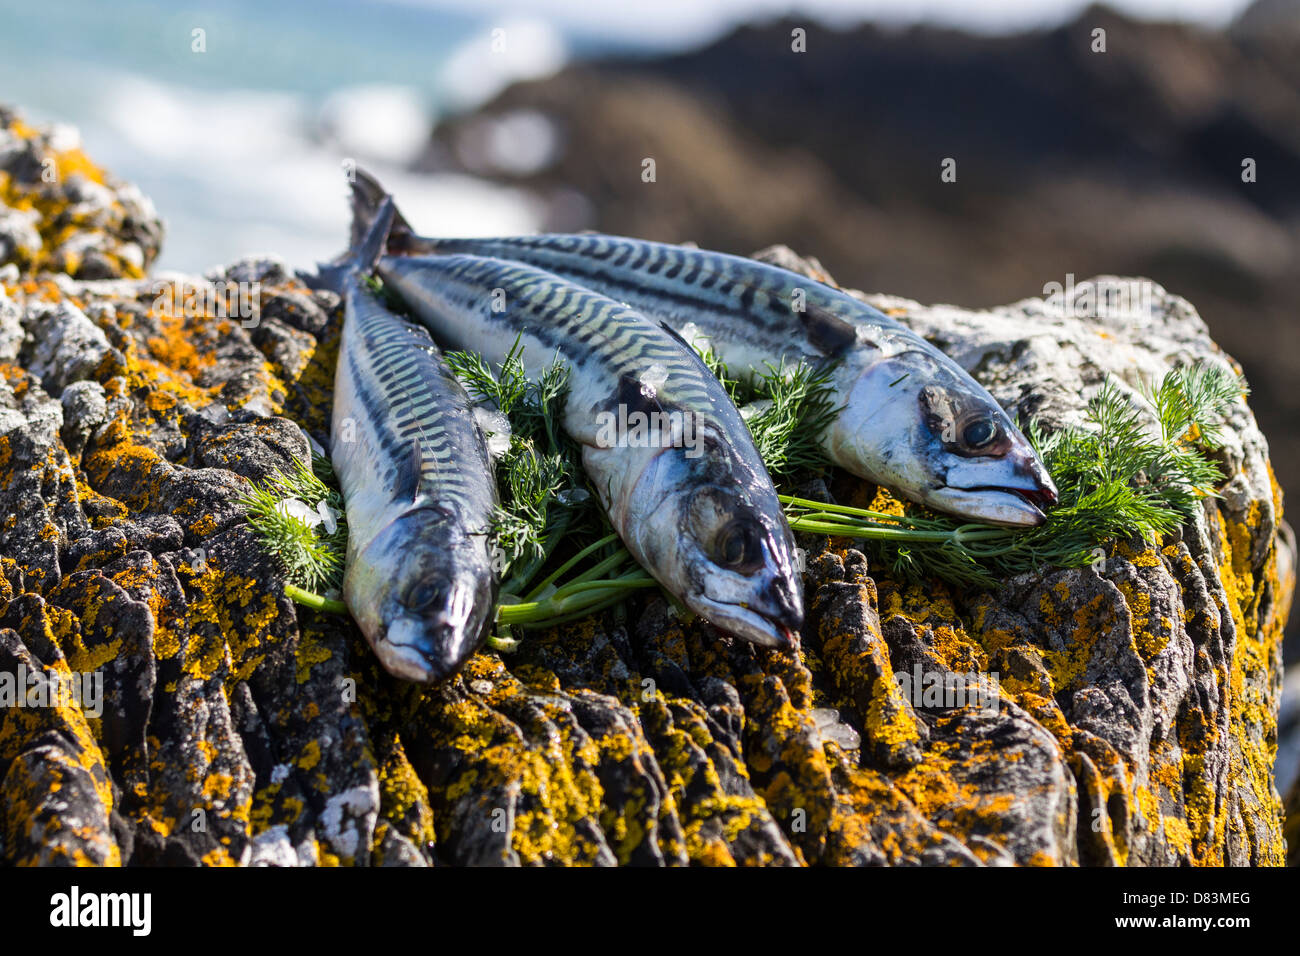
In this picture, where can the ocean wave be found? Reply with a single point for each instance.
(519, 48)
(237, 172)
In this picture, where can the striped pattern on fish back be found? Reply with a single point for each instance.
(410, 400)
(678, 283)
(560, 315)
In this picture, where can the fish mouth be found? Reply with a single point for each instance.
(1016, 491)
(407, 662)
(997, 504)
(413, 649)
(779, 631)
(1043, 497)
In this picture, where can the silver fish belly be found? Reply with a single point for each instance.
(663, 446)
(418, 486)
(912, 418)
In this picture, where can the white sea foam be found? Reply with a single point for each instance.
(241, 172)
(520, 48)
(378, 122)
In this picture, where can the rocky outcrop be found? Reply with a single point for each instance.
(1120, 714)
(61, 212)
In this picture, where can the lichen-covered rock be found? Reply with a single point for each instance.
(1163, 664)
(60, 211)
(1122, 714)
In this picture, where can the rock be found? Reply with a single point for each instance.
(1268, 18)
(1125, 714)
(59, 211)
(271, 270)
(85, 408)
(11, 328)
(65, 345)
(254, 450)
(19, 239)
(55, 789)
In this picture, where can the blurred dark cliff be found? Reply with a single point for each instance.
(1068, 161)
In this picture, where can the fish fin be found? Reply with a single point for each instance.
(364, 250)
(828, 333)
(367, 252)
(677, 335)
(367, 196)
(406, 487)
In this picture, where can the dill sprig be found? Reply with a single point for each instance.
(787, 407)
(532, 481)
(311, 554)
(539, 476)
(793, 405)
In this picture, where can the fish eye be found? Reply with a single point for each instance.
(739, 546)
(423, 595)
(979, 433)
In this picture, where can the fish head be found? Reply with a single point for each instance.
(423, 593)
(915, 424)
(711, 530)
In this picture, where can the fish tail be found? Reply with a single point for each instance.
(367, 245)
(367, 198)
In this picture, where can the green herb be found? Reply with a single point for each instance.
(312, 556)
(787, 407)
(548, 519)
(720, 371)
(542, 488)
(793, 407)
(566, 594)
(315, 601)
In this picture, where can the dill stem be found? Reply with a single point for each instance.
(632, 581)
(589, 549)
(822, 506)
(314, 601)
(571, 598)
(608, 564)
(520, 578)
(585, 610)
(881, 533)
(503, 644)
